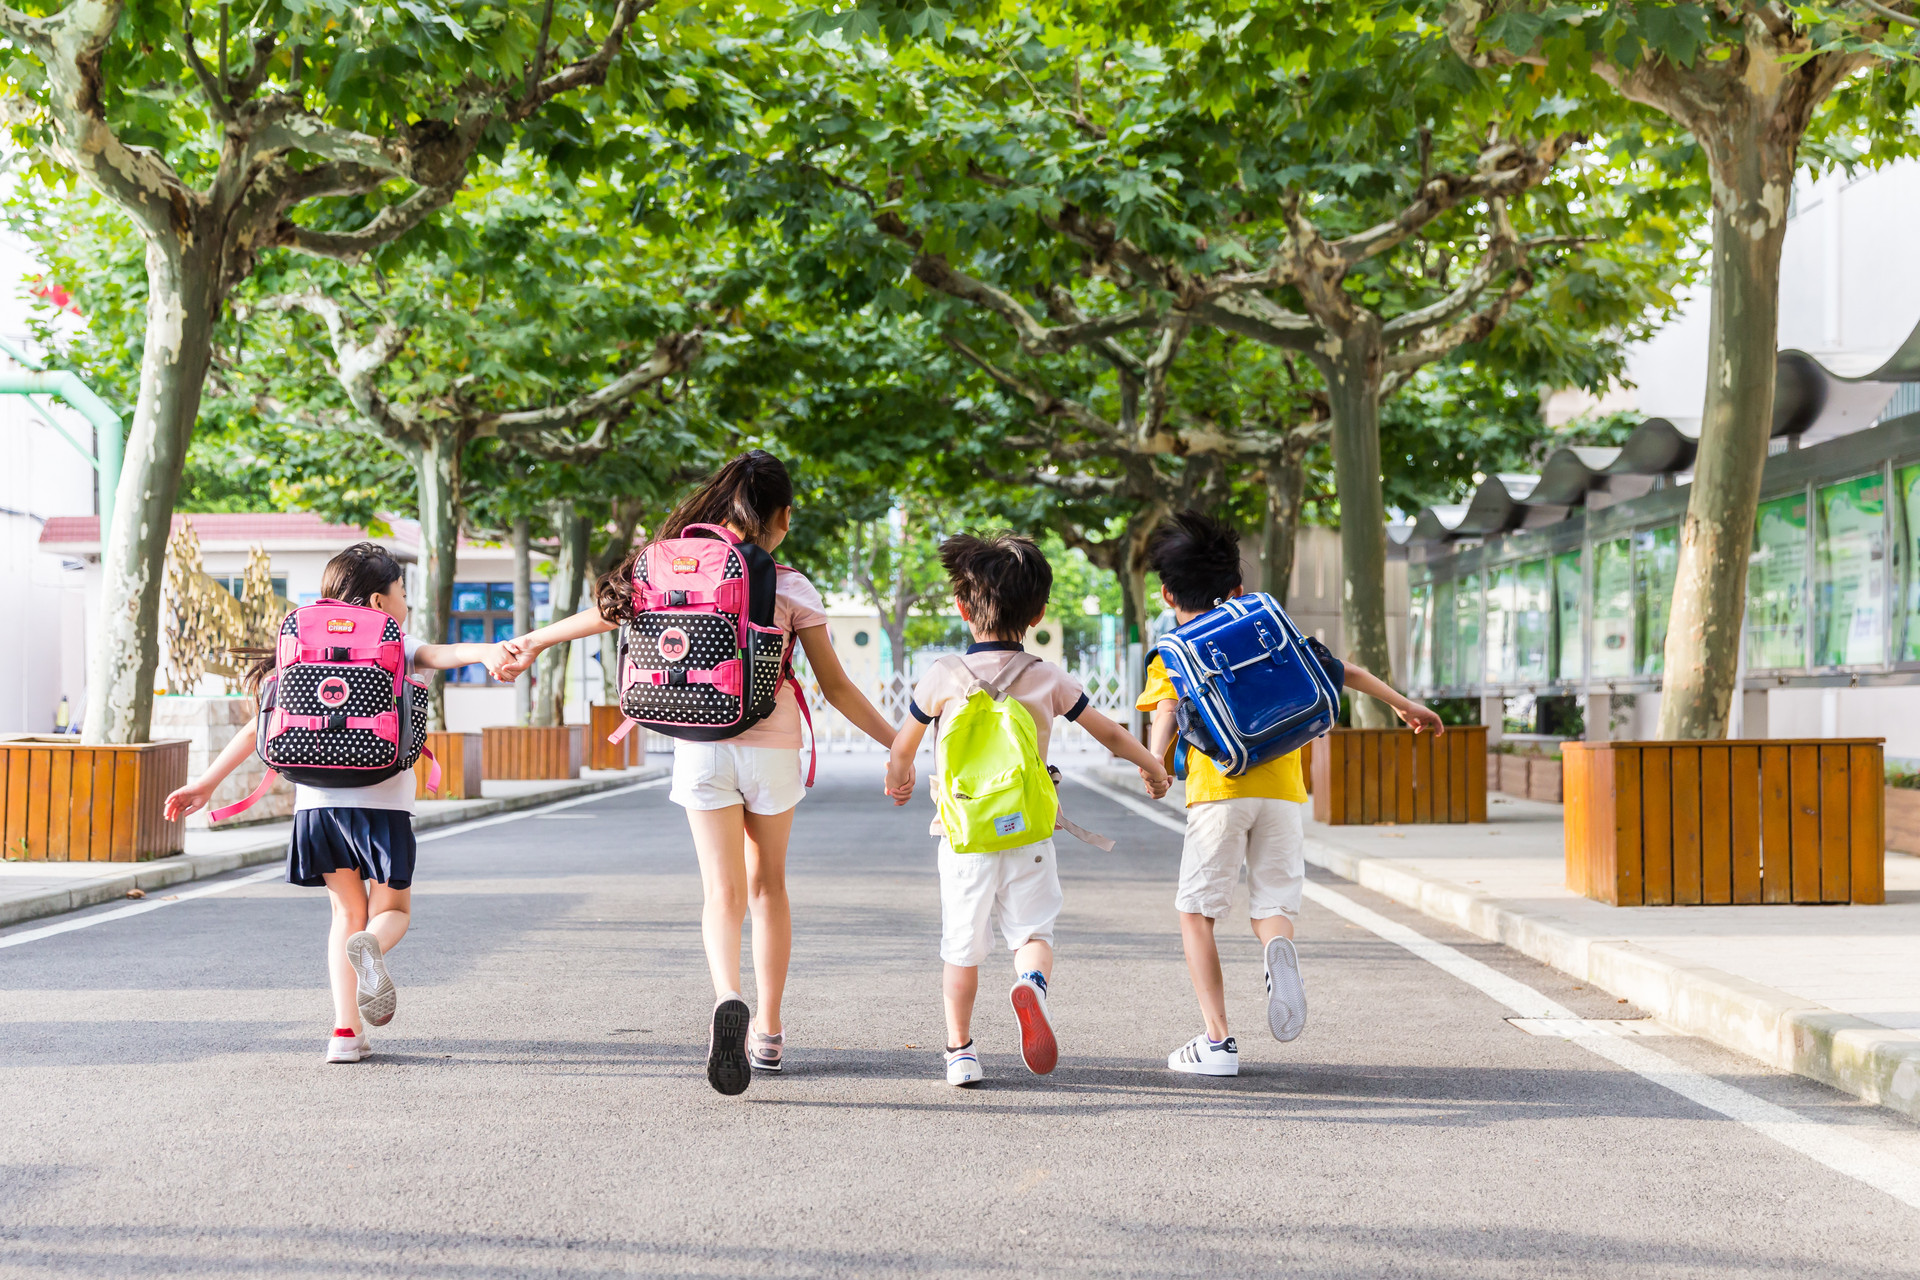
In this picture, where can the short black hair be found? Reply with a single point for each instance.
(1001, 578)
(1197, 558)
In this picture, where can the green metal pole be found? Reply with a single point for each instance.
(68, 387)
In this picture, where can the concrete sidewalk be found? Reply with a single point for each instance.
(1828, 992)
(30, 890)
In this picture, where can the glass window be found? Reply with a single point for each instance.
(1566, 617)
(470, 597)
(1849, 574)
(1656, 554)
(1612, 608)
(482, 611)
(1906, 483)
(1443, 628)
(1531, 611)
(1467, 665)
(1419, 635)
(502, 593)
(1502, 635)
(1777, 586)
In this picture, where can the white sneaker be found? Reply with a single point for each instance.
(377, 994)
(1286, 993)
(963, 1066)
(349, 1048)
(1202, 1057)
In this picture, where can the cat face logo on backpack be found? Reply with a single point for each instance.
(674, 644)
(686, 564)
(333, 692)
(339, 624)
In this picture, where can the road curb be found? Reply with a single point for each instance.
(1869, 1061)
(182, 868)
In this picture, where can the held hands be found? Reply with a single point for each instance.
(1156, 780)
(1419, 716)
(514, 657)
(900, 781)
(191, 798)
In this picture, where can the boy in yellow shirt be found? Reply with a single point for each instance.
(1253, 820)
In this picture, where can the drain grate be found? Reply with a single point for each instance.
(1575, 1028)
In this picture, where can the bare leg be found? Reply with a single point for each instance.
(389, 911)
(719, 836)
(1270, 927)
(1203, 967)
(766, 855)
(962, 984)
(1034, 955)
(348, 893)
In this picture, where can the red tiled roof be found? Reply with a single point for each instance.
(219, 527)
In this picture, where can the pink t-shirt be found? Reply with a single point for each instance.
(796, 606)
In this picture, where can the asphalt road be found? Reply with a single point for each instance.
(539, 1107)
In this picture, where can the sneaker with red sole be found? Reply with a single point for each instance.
(1037, 1046)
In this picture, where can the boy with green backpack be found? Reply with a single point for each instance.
(997, 808)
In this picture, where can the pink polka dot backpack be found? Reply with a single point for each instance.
(701, 659)
(339, 709)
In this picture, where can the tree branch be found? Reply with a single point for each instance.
(1044, 402)
(673, 354)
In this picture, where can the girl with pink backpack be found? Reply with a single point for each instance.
(708, 625)
(344, 720)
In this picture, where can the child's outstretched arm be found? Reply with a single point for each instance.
(1160, 732)
(1111, 735)
(522, 650)
(838, 690)
(447, 657)
(198, 794)
(1417, 715)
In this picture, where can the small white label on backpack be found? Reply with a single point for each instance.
(1010, 824)
(674, 644)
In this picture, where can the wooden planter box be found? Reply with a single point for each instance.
(1764, 820)
(1529, 777)
(1544, 780)
(459, 757)
(1395, 775)
(628, 753)
(1903, 820)
(513, 752)
(63, 802)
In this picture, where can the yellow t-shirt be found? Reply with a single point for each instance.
(1276, 779)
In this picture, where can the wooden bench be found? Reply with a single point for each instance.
(1741, 821)
(459, 757)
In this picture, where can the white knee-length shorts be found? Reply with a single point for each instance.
(1022, 885)
(1262, 835)
(719, 775)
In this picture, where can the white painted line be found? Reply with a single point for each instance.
(440, 833)
(1825, 1144)
(1575, 1028)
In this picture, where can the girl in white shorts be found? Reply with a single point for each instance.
(739, 793)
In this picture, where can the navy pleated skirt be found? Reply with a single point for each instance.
(378, 843)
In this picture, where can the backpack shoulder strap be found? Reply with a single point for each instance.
(1018, 665)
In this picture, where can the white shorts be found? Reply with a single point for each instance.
(1262, 835)
(719, 775)
(1023, 883)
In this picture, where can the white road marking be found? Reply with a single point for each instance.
(440, 833)
(1826, 1144)
(1574, 1028)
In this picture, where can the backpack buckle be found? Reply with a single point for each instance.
(339, 653)
(338, 720)
(677, 677)
(676, 599)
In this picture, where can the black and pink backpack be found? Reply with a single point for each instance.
(339, 709)
(701, 659)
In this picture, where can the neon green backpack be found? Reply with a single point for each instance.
(994, 791)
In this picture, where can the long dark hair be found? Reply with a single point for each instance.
(747, 494)
(352, 577)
